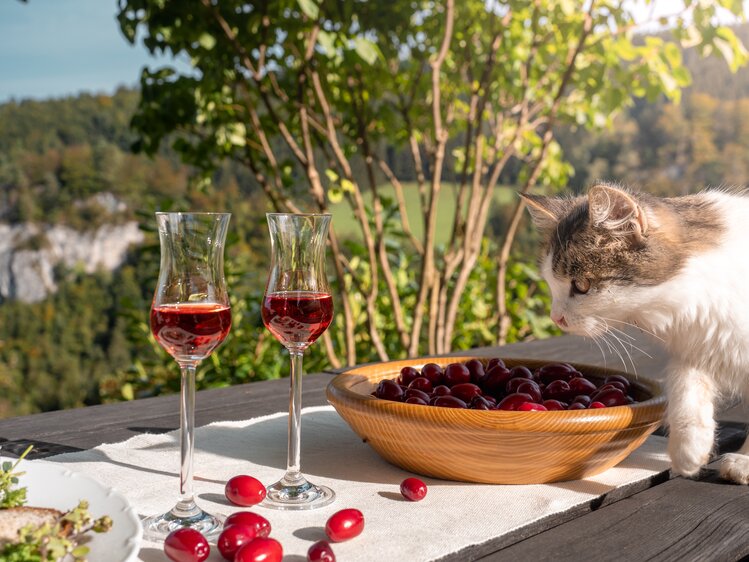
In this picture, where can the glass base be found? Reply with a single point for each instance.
(297, 495)
(157, 527)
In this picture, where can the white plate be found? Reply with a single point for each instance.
(53, 485)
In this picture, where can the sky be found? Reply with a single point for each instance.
(57, 48)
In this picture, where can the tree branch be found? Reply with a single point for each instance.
(427, 270)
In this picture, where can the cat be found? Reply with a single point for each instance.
(677, 268)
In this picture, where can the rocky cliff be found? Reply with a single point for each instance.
(29, 254)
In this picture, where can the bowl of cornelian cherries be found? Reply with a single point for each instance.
(498, 420)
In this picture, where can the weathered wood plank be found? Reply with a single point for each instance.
(88, 427)
(678, 520)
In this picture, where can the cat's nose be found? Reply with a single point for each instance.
(559, 320)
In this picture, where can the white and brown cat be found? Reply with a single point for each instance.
(678, 268)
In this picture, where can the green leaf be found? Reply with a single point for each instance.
(310, 8)
(366, 49)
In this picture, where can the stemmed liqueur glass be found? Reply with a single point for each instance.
(297, 309)
(190, 317)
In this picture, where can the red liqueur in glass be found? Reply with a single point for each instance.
(190, 331)
(297, 318)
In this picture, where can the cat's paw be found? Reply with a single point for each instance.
(690, 450)
(735, 467)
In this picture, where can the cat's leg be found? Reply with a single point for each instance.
(690, 417)
(735, 466)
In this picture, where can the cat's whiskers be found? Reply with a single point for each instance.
(607, 332)
(594, 339)
(634, 326)
(631, 342)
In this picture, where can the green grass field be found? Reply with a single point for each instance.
(346, 224)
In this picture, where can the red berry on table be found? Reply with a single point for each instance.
(186, 545)
(413, 489)
(244, 490)
(321, 551)
(260, 549)
(232, 538)
(249, 519)
(344, 525)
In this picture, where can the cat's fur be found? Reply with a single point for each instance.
(677, 268)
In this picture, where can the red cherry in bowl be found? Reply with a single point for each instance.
(232, 538)
(389, 390)
(610, 397)
(321, 551)
(408, 374)
(249, 519)
(457, 373)
(448, 402)
(581, 385)
(476, 369)
(554, 405)
(244, 490)
(513, 401)
(413, 489)
(344, 525)
(433, 372)
(260, 549)
(186, 545)
(531, 407)
(465, 391)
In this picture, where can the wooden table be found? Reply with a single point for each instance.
(664, 519)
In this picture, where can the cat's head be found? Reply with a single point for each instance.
(603, 254)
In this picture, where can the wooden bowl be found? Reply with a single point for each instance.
(496, 447)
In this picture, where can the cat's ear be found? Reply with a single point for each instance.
(545, 211)
(617, 211)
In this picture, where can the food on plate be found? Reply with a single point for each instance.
(13, 519)
(32, 534)
(494, 386)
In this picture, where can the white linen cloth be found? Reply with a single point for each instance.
(453, 515)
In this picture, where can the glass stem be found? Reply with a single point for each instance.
(293, 468)
(186, 505)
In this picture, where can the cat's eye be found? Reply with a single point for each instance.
(580, 286)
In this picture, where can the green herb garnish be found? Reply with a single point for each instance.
(54, 541)
(10, 497)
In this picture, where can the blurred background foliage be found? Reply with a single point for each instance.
(89, 342)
